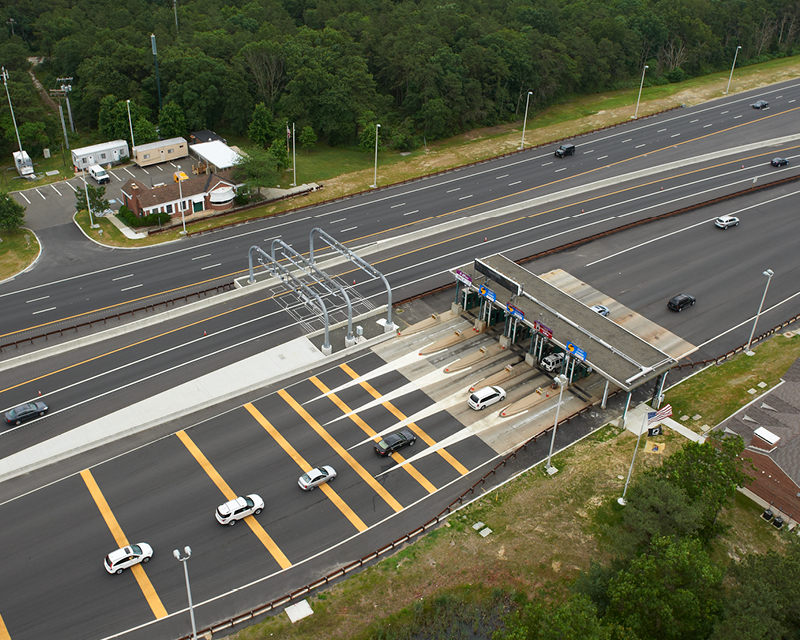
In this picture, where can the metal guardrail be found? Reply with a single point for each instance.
(118, 316)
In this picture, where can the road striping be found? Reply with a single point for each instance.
(627, 140)
(44, 310)
(339, 220)
(394, 206)
(695, 120)
(547, 163)
(136, 286)
(451, 190)
(602, 157)
(130, 275)
(129, 171)
(301, 462)
(722, 113)
(735, 117)
(638, 145)
(413, 472)
(4, 635)
(348, 229)
(119, 538)
(203, 256)
(69, 184)
(675, 135)
(217, 479)
(56, 190)
(465, 197)
(561, 169)
(660, 130)
(23, 196)
(400, 416)
(40, 193)
(339, 449)
(211, 266)
(37, 299)
(410, 212)
(505, 175)
(706, 126)
(592, 150)
(511, 184)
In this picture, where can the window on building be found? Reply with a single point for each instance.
(170, 151)
(103, 156)
(146, 156)
(169, 208)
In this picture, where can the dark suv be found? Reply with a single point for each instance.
(681, 301)
(565, 150)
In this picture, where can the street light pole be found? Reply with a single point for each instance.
(177, 555)
(130, 123)
(155, 59)
(622, 500)
(561, 380)
(641, 84)
(525, 121)
(732, 66)
(769, 273)
(375, 179)
(88, 204)
(180, 202)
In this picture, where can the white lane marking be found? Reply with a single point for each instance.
(465, 197)
(145, 170)
(675, 135)
(660, 130)
(627, 140)
(129, 171)
(56, 190)
(602, 157)
(591, 151)
(348, 229)
(546, 163)
(777, 97)
(706, 126)
(394, 206)
(511, 184)
(790, 101)
(693, 121)
(69, 184)
(638, 146)
(23, 195)
(136, 286)
(130, 275)
(410, 212)
(561, 169)
(159, 167)
(37, 299)
(211, 266)
(739, 116)
(206, 255)
(505, 175)
(44, 310)
(456, 189)
(723, 113)
(339, 220)
(40, 193)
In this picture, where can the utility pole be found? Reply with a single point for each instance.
(155, 58)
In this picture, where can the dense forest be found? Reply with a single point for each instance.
(420, 68)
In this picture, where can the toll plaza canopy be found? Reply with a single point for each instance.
(611, 350)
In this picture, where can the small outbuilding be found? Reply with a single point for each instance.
(214, 156)
(103, 154)
(145, 155)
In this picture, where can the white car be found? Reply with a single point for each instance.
(723, 222)
(482, 398)
(602, 309)
(119, 560)
(239, 508)
(316, 477)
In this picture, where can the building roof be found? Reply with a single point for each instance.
(158, 144)
(217, 153)
(150, 197)
(103, 146)
(205, 135)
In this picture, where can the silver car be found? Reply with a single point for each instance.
(315, 477)
(723, 222)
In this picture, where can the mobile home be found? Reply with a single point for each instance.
(103, 154)
(162, 151)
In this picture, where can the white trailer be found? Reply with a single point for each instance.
(23, 163)
(102, 154)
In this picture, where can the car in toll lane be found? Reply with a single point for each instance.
(119, 560)
(239, 508)
(315, 477)
(681, 301)
(486, 396)
(394, 441)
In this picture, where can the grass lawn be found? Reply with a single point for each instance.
(18, 250)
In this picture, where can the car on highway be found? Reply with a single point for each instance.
(394, 441)
(239, 508)
(565, 150)
(723, 222)
(486, 396)
(602, 309)
(315, 477)
(760, 104)
(779, 162)
(119, 560)
(681, 301)
(27, 411)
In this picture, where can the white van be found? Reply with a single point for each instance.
(99, 174)
(552, 362)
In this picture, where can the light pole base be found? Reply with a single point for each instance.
(373, 186)
(622, 502)
(749, 353)
(551, 471)
(95, 226)
(183, 233)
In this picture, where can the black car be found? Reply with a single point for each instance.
(681, 301)
(760, 104)
(394, 441)
(25, 412)
(565, 150)
(779, 162)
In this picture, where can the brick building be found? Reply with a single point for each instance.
(211, 192)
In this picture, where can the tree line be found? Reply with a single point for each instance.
(423, 69)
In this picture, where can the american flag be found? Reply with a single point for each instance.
(656, 416)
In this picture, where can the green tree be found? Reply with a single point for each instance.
(96, 199)
(144, 131)
(262, 129)
(367, 132)
(34, 137)
(670, 592)
(171, 123)
(12, 213)
(307, 137)
(257, 169)
(278, 152)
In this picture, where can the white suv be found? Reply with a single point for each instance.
(552, 362)
(482, 398)
(239, 508)
(119, 560)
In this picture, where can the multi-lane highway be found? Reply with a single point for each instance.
(164, 493)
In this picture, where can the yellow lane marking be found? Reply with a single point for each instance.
(4, 635)
(401, 416)
(413, 472)
(116, 531)
(251, 522)
(345, 455)
(301, 462)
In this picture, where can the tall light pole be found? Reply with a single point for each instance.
(375, 179)
(175, 5)
(180, 202)
(641, 84)
(562, 381)
(732, 67)
(769, 273)
(177, 555)
(130, 123)
(525, 121)
(13, 117)
(155, 58)
(92, 225)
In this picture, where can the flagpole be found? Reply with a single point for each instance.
(625, 490)
(294, 158)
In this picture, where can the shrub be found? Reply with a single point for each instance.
(128, 217)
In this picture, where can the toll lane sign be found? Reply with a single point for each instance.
(576, 352)
(487, 293)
